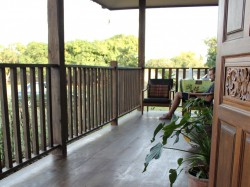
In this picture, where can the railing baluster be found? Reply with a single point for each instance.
(95, 121)
(102, 96)
(35, 141)
(79, 83)
(49, 107)
(5, 120)
(42, 109)
(15, 115)
(88, 100)
(25, 113)
(84, 100)
(92, 98)
(70, 118)
(99, 97)
(75, 117)
(198, 74)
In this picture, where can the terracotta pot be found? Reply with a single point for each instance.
(196, 182)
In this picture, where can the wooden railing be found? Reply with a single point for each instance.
(25, 114)
(128, 90)
(175, 73)
(95, 96)
(98, 95)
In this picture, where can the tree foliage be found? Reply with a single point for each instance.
(9, 54)
(157, 63)
(184, 59)
(211, 51)
(187, 59)
(121, 48)
(35, 53)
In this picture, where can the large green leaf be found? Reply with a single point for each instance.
(155, 153)
(158, 128)
(172, 176)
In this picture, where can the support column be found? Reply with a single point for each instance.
(142, 27)
(58, 74)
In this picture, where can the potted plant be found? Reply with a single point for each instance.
(196, 129)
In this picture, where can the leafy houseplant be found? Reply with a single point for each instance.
(196, 129)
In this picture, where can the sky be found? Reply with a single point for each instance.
(169, 31)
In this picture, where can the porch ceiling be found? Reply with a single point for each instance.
(134, 4)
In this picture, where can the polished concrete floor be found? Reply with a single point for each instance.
(111, 157)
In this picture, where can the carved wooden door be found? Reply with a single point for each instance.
(230, 155)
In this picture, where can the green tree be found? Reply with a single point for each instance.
(34, 53)
(123, 49)
(211, 51)
(187, 59)
(84, 53)
(10, 54)
(159, 63)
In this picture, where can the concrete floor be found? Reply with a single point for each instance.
(110, 157)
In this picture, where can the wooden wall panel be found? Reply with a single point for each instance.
(245, 179)
(235, 18)
(226, 154)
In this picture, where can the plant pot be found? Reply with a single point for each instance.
(196, 182)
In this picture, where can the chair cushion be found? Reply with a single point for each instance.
(157, 100)
(158, 91)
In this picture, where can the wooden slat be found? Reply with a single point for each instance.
(25, 113)
(79, 83)
(177, 79)
(105, 96)
(102, 99)
(132, 88)
(170, 73)
(110, 95)
(94, 98)
(127, 90)
(75, 116)
(15, 115)
(33, 101)
(163, 73)
(156, 73)
(5, 120)
(120, 91)
(149, 73)
(91, 99)
(184, 73)
(84, 115)
(88, 100)
(43, 143)
(49, 107)
(198, 73)
(99, 97)
(70, 115)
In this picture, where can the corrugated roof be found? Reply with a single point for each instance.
(134, 4)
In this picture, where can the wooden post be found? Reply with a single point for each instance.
(142, 27)
(58, 74)
(114, 93)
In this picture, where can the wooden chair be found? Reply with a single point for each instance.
(159, 93)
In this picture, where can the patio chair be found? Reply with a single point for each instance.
(159, 93)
